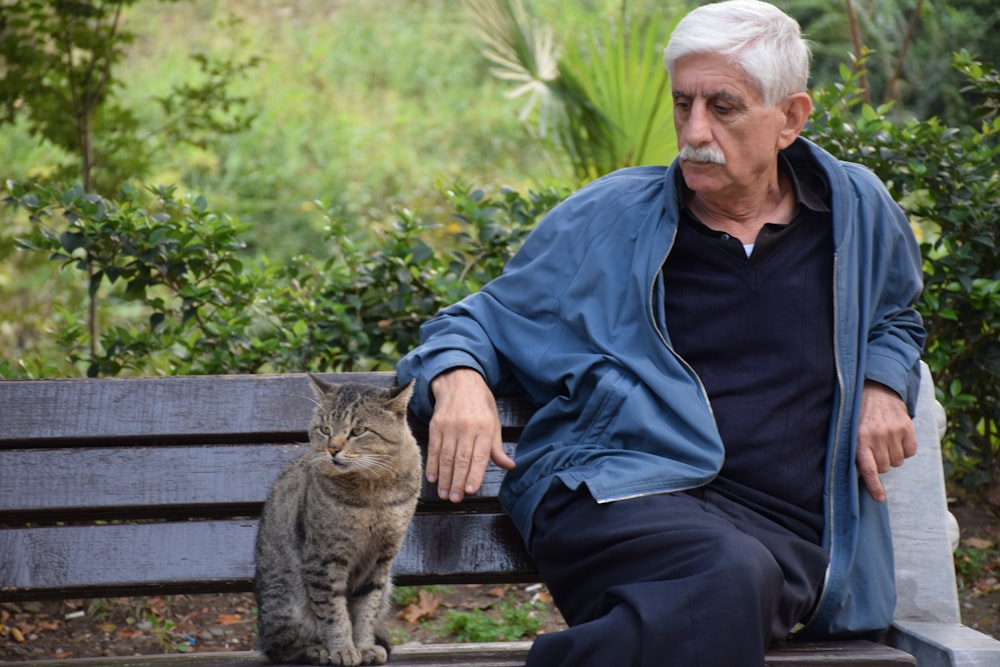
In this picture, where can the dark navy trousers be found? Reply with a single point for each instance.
(688, 579)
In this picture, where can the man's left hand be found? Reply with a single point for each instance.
(886, 436)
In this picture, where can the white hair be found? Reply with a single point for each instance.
(758, 37)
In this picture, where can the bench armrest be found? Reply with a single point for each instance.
(927, 622)
(944, 644)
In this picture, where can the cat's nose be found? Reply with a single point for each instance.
(335, 446)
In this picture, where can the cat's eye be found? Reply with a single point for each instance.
(358, 431)
(325, 430)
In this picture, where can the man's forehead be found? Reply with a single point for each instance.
(711, 75)
(710, 93)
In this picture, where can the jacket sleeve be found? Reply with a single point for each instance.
(896, 331)
(497, 330)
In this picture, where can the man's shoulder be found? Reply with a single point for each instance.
(631, 188)
(630, 179)
(620, 199)
(835, 169)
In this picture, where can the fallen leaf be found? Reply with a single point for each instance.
(978, 543)
(427, 603)
(229, 619)
(48, 625)
(17, 635)
(107, 627)
(497, 592)
(128, 633)
(62, 655)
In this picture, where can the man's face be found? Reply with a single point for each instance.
(717, 108)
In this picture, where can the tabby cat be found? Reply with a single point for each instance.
(332, 525)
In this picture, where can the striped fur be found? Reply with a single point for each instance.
(332, 525)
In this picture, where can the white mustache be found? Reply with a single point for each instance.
(702, 154)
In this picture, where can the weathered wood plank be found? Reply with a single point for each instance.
(509, 654)
(196, 408)
(212, 556)
(42, 485)
(855, 653)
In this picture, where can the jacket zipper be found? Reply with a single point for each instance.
(834, 451)
(663, 339)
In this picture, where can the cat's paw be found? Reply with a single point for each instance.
(374, 655)
(316, 655)
(346, 657)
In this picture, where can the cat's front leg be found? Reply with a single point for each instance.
(368, 610)
(339, 636)
(333, 620)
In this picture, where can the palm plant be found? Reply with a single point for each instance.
(603, 102)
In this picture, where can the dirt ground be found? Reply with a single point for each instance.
(126, 626)
(205, 623)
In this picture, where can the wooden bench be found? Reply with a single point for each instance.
(152, 486)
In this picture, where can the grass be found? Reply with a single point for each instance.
(513, 621)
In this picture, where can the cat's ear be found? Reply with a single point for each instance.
(399, 397)
(320, 386)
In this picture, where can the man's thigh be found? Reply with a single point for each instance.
(707, 555)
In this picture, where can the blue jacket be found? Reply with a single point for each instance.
(576, 323)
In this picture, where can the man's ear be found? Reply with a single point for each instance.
(795, 109)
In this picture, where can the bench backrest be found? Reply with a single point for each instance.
(153, 485)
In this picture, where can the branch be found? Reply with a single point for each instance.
(852, 22)
(911, 29)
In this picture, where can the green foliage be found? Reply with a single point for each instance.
(603, 103)
(907, 41)
(362, 308)
(174, 258)
(946, 180)
(164, 287)
(60, 77)
(515, 622)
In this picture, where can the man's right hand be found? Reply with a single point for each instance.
(464, 434)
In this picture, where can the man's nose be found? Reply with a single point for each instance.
(697, 129)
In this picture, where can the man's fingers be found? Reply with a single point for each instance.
(868, 470)
(461, 474)
(433, 455)
(500, 457)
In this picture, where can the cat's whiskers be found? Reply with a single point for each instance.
(369, 461)
(311, 399)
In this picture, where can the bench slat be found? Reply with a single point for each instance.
(198, 408)
(216, 556)
(44, 485)
(512, 654)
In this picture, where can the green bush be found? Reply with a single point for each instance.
(165, 289)
(946, 180)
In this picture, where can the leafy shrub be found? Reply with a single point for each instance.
(946, 180)
(168, 290)
(174, 258)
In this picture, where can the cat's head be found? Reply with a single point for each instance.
(360, 428)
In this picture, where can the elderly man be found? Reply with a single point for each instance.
(724, 357)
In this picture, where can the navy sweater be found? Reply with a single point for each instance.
(759, 333)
